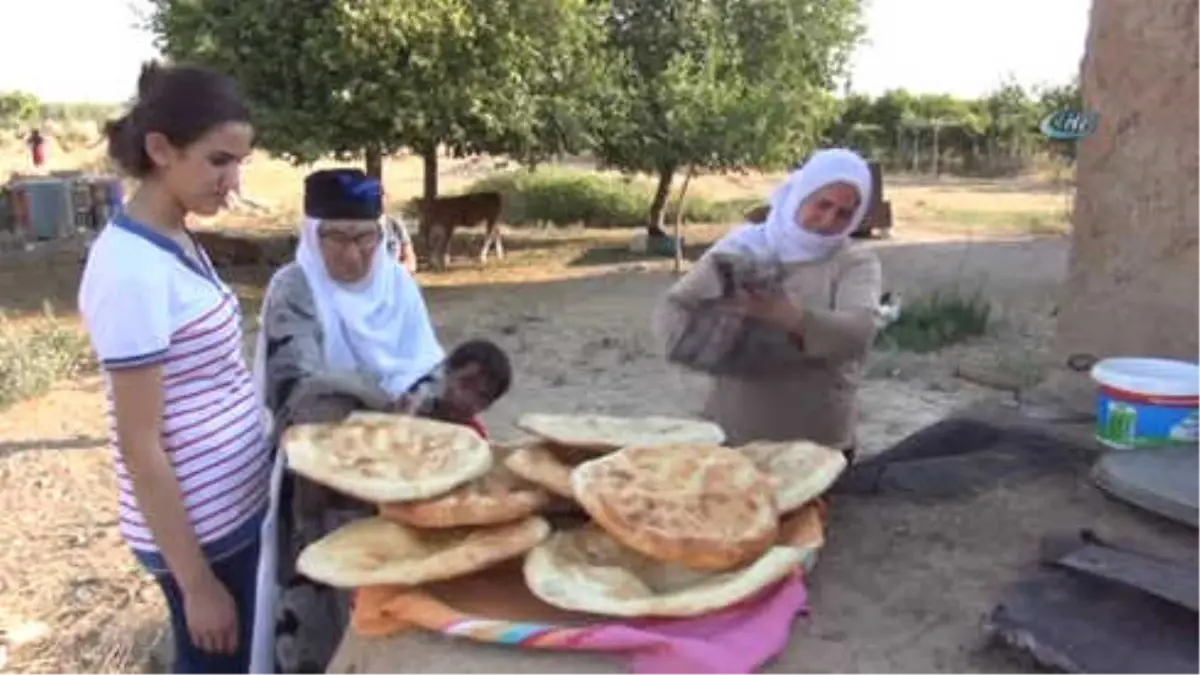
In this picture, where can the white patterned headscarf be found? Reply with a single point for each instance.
(378, 325)
(780, 237)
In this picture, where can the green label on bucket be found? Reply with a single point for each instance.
(1121, 425)
(1124, 424)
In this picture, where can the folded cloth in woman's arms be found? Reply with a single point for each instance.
(737, 272)
(719, 341)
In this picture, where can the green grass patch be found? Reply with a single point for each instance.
(563, 197)
(938, 320)
(34, 357)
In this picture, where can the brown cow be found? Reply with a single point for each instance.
(442, 215)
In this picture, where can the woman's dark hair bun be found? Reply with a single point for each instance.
(124, 150)
(114, 127)
(148, 78)
(181, 102)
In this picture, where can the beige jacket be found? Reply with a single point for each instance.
(811, 389)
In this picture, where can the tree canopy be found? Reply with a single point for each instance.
(994, 134)
(721, 84)
(653, 86)
(18, 108)
(350, 77)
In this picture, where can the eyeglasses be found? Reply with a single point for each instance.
(363, 240)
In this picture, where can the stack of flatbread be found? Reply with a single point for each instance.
(676, 524)
(566, 441)
(446, 508)
(680, 525)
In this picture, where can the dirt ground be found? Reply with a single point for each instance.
(574, 316)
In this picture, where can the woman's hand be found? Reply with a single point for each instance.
(212, 618)
(772, 307)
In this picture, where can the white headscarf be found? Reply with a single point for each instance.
(378, 326)
(781, 238)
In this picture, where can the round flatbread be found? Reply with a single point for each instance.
(387, 458)
(547, 466)
(804, 530)
(602, 433)
(706, 507)
(498, 497)
(376, 551)
(800, 471)
(586, 570)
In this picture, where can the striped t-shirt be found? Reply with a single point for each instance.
(144, 302)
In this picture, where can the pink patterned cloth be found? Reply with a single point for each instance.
(736, 640)
(739, 639)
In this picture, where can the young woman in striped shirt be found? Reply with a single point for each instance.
(190, 453)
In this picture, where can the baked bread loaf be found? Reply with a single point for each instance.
(703, 506)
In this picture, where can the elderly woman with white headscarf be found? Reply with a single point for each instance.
(344, 328)
(781, 314)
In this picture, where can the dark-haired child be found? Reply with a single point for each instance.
(475, 375)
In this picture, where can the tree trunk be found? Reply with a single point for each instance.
(430, 159)
(373, 158)
(687, 178)
(1131, 279)
(937, 150)
(658, 207)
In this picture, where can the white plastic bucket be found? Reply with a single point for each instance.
(1143, 402)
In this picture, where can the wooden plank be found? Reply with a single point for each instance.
(1169, 581)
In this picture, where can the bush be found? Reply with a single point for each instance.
(567, 197)
(76, 135)
(33, 358)
(938, 320)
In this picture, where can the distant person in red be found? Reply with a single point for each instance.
(37, 148)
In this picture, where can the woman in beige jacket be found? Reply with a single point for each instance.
(782, 313)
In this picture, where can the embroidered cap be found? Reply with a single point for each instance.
(342, 194)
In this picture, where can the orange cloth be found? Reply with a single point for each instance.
(383, 610)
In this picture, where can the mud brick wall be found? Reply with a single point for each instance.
(1131, 287)
(60, 261)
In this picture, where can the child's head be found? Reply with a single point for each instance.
(478, 373)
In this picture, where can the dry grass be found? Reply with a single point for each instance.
(1036, 205)
(74, 599)
(923, 208)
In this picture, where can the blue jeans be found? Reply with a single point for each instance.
(238, 573)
